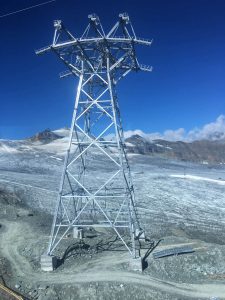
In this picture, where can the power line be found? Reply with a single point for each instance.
(27, 8)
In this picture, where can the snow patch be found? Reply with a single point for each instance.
(158, 145)
(129, 144)
(57, 147)
(133, 154)
(161, 146)
(193, 177)
(7, 149)
(58, 158)
(64, 132)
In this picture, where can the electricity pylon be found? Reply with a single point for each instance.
(96, 188)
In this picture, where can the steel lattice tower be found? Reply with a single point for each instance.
(96, 188)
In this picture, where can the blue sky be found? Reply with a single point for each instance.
(185, 90)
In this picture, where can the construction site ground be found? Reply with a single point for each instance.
(102, 272)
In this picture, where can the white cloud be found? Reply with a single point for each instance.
(174, 135)
(129, 133)
(169, 135)
(212, 131)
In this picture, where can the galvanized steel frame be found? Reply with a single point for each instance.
(98, 60)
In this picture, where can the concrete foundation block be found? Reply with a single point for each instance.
(136, 264)
(78, 233)
(140, 234)
(48, 263)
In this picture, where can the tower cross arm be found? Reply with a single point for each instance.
(43, 50)
(142, 41)
(76, 42)
(139, 41)
(66, 73)
(145, 68)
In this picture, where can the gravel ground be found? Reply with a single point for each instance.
(175, 211)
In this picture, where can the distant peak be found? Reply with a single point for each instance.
(45, 136)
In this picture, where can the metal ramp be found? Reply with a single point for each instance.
(173, 251)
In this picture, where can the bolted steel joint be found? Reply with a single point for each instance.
(124, 17)
(94, 18)
(58, 24)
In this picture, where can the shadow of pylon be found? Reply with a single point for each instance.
(78, 247)
(152, 247)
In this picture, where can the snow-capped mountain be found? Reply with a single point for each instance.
(201, 151)
(55, 143)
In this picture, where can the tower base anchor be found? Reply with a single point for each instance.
(78, 233)
(136, 264)
(48, 262)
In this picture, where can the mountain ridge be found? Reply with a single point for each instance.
(201, 151)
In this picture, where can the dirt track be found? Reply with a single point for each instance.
(102, 269)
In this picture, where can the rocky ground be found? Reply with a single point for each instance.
(91, 273)
(174, 211)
